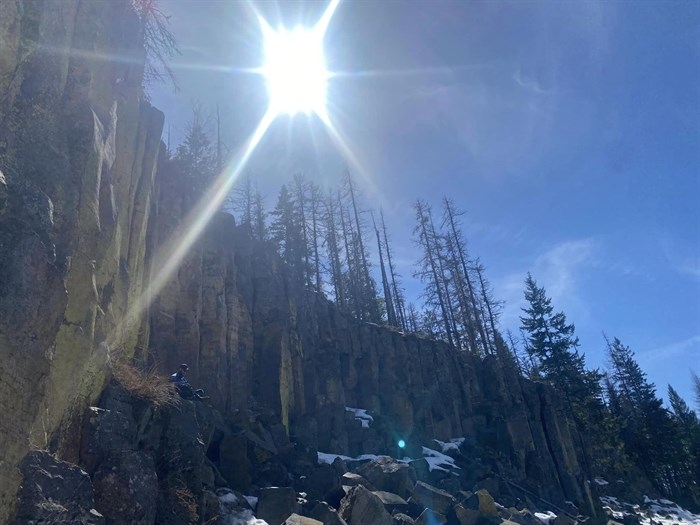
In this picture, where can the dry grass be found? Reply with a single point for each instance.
(186, 501)
(149, 385)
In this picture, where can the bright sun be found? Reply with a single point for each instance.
(295, 67)
(295, 70)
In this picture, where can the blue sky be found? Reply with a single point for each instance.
(569, 131)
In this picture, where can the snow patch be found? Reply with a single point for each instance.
(229, 497)
(324, 457)
(438, 461)
(361, 415)
(601, 482)
(230, 514)
(658, 512)
(545, 517)
(452, 444)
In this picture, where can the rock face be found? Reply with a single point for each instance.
(249, 332)
(54, 492)
(77, 153)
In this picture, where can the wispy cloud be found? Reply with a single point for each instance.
(689, 347)
(683, 260)
(557, 269)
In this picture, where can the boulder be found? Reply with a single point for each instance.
(401, 519)
(429, 517)
(296, 519)
(126, 488)
(422, 469)
(276, 504)
(464, 516)
(324, 484)
(491, 485)
(523, 517)
(232, 460)
(351, 479)
(482, 501)
(427, 496)
(563, 519)
(361, 507)
(326, 514)
(392, 502)
(387, 474)
(54, 491)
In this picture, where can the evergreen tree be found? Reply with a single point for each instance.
(553, 347)
(687, 454)
(286, 232)
(195, 156)
(259, 216)
(650, 435)
(552, 344)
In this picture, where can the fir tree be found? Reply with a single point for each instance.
(195, 156)
(649, 433)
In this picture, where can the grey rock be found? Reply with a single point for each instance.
(361, 507)
(54, 491)
(276, 504)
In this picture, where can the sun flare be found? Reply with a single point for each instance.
(295, 67)
(295, 70)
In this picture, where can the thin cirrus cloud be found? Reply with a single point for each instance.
(688, 347)
(557, 269)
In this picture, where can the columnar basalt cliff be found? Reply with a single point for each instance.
(80, 217)
(78, 147)
(249, 332)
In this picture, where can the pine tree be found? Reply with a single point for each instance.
(649, 433)
(286, 232)
(687, 455)
(259, 216)
(334, 251)
(552, 343)
(195, 156)
(553, 346)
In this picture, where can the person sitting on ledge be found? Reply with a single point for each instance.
(182, 385)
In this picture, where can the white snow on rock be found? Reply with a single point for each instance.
(601, 482)
(324, 457)
(667, 512)
(660, 512)
(438, 461)
(229, 497)
(545, 517)
(232, 514)
(452, 444)
(361, 415)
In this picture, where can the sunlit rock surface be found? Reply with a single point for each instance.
(77, 151)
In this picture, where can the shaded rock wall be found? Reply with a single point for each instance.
(77, 154)
(233, 313)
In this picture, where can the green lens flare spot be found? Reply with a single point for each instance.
(402, 443)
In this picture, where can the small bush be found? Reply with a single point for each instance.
(149, 385)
